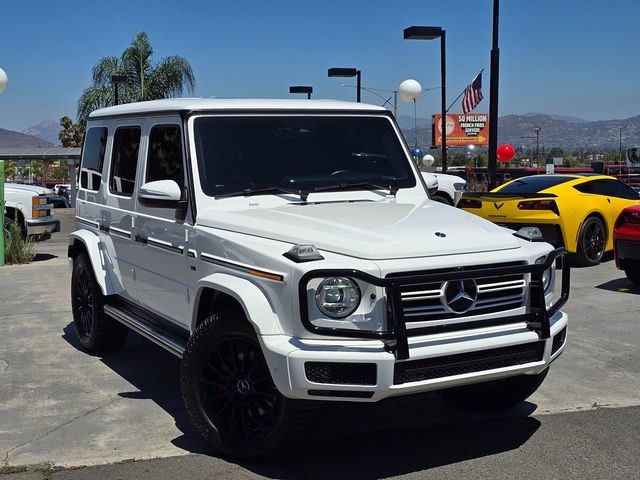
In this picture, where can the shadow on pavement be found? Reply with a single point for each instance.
(356, 441)
(42, 257)
(620, 285)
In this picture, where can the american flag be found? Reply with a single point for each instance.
(472, 94)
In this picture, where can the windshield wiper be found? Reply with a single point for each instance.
(247, 192)
(393, 189)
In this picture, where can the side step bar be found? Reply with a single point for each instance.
(147, 330)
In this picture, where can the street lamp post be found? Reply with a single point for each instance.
(431, 33)
(301, 89)
(493, 99)
(537, 137)
(348, 72)
(3, 84)
(116, 80)
(620, 132)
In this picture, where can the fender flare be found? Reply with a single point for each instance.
(106, 272)
(253, 301)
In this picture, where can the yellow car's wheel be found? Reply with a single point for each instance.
(591, 242)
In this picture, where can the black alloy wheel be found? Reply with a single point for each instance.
(237, 390)
(229, 393)
(83, 302)
(592, 241)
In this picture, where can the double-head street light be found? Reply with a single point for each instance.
(116, 80)
(431, 33)
(348, 73)
(301, 89)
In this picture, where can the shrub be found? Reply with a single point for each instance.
(17, 249)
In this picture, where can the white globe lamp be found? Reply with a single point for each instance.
(409, 90)
(428, 160)
(3, 81)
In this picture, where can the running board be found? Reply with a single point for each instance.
(152, 332)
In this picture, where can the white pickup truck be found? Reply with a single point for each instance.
(29, 206)
(444, 188)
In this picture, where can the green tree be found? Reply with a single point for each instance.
(145, 80)
(71, 134)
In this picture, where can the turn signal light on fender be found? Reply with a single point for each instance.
(539, 205)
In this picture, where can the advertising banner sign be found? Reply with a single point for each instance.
(462, 130)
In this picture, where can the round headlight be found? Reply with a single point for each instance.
(338, 297)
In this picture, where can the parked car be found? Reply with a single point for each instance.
(626, 242)
(288, 252)
(59, 188)
(450, 189)
(29, 206)
(576, 212)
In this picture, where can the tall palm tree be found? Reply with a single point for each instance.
(145, 80)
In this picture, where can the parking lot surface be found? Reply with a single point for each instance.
(63, 407)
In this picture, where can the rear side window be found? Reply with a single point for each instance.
(124, 160)
(95, 144)
(609, 188)
(534, 184)
(164, 161)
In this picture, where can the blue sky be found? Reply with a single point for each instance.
(577, 58)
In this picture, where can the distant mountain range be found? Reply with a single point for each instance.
(11, 139)
(569, 133)
(47, 130)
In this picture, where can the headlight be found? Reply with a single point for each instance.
(547, 275)
(460, 186)
(338, 297)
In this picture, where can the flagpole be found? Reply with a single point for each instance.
(465, 89)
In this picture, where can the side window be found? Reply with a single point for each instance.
(620, 190)
(95, 144)
(164, 161)
(124, 160)
(594, 187)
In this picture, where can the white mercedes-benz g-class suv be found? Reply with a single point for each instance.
(288, 251)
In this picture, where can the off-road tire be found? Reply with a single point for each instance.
(441, 199)
(96, 331)
(633, 274)
(590, 250)
(494, 396)
(211, 350)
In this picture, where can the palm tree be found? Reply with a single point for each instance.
(145, 80)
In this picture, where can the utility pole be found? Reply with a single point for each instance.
(620, 153)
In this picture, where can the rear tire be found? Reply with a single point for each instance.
(494, 396)
(592, 240)
(633, 274)
(229, 393)
(96, 331)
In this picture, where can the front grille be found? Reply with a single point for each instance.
(464, 363)
(341, 373)
(428, 302)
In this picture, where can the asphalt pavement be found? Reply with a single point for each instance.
(63, 408)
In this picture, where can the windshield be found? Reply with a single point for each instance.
(305, 153)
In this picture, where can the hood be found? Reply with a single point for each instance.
(375, 230)
(30, 188)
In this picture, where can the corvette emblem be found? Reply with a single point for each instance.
(498, 205)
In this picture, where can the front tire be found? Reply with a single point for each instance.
(95, 330)
(494, 396)
(441, 199)
(591, 242)
(228, 391)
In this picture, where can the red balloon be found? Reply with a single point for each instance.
(505, 153)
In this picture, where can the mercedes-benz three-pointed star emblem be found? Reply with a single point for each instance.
(460, 295)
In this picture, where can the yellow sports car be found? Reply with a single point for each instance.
(576, 212)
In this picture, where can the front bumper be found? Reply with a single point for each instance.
(42, 226)
(436, 362)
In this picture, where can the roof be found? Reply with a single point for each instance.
(40, 153)
(226, 104)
